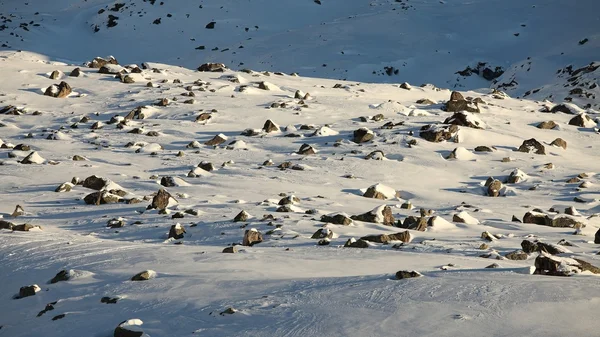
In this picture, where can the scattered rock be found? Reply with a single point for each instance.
(403, 274)
(363, 135)
(177, 232)
(353, 243)
(547, 125)
(231, 250)
(61, 90)
(560, 143)
(337, 219)
(129, 328)
(63, 275)
(532, 145)
(380, 191)
(144, 276)
(382, 214)
(438, 133)
(241, 217)
(252, 237)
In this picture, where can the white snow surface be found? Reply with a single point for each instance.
(287, 285)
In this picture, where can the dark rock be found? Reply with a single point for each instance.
(176, 232)
(231, 250)
(438, 133)
(338, 219)
(63, 275)
(362, 135)
(405, 237)
(168, 181)
(581, 120)
(415, 223)
(532, 145)
(75, 73)
(322, 233)
(27, 291)
(109, 300)
(212, 67)
(126, 329)
(241, 217)
(517, 255)
(403, 274)
(462, 119)
(270, 126)
(352, 243)
(144, 276)
(306, 149)
(95, 182)
(6, 225)
(161, 199)
(101, 198)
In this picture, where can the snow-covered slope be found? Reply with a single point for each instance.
(300, 280)
(425, 41)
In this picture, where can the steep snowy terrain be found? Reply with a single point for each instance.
(290, 284)
(425, 41)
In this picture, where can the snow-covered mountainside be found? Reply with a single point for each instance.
(454, 44)
(200, 203)
(277, 168)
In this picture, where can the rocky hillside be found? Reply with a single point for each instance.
(154, 200)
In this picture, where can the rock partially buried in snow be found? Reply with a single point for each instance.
(547, 125)
(559, 142)
(465, 119)
(162, 200)
(438, 133)
(405, 237)
(176, 232)
(532, 146)
(382, 214)
(323, 233)
(404, 274)
(241, 217)
(494, 188)
(353, 243)
(144, 276)
(458, 103)
(465, 217)
(363, 135)
(380, 191)
(217, 140)
(583, 120)
(270, 126)
(460, 153)
(129, 328)
(306, 149)
(251, 237)
(267, 86)
(27, 291)
(212, 67)
(61, 90)
(63, 275)
(33, 158)
(337, 219)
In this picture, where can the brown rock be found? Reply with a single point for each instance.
(338, 219)
(351, 243)
(161, 200)
(560, 143)
(532, 145)
(547, 125)
(386, 217)
(252, 237)
(61, 90)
